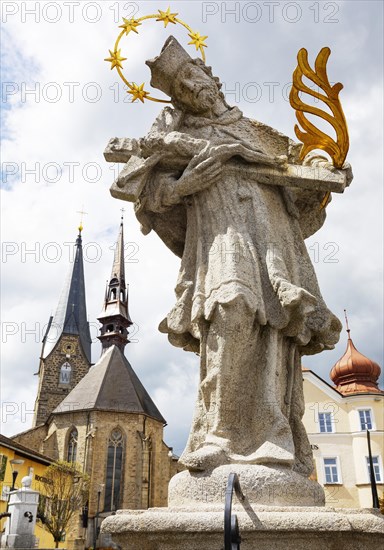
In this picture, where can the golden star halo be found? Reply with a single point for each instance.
(167, 17)
(130, 25)
(115, 59)
(138, 92)
(197, 40)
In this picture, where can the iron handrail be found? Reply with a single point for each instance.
(232, 539)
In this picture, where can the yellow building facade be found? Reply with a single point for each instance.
(29, 463)
(337, 419)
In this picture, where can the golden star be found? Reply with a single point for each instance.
(167, 17)
(115, 59)
(130, 25)
(197, 40)
(138, 92)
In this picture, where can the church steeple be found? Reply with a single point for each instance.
(71, 313)
(66, 353)
(115, 317)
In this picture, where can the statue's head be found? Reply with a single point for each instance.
(188, 82)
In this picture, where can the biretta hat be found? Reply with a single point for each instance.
(165, 66)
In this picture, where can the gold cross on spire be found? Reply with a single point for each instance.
(82, 213)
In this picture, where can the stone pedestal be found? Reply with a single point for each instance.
(19, 528)
(262, 485)
(267, 528)
(282, 510)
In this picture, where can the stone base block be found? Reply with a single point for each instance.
(267, 528)
(19, 541)
(262, 485)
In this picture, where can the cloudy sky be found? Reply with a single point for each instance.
(61, 104)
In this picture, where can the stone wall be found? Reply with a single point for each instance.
(33, 439)
(51, 392)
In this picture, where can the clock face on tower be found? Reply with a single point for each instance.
(68, 347)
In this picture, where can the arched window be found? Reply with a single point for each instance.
(65, 374)
(114, 470)
(72, 445)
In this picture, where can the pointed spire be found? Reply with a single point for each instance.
(115, 317)
(354, 372)
(118, 268)
(71, 313)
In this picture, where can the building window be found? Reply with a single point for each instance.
(72, 445)
(331, 470)
(114, 471)
(365, 419)
(376, 469)
(65, 374)
(325, 422)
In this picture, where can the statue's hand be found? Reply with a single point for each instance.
(347, 168)
(226, 151)
(314, 159)
(199, 176)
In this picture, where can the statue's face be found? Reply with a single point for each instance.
(195, 89)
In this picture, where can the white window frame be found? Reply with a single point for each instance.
(379, 463)
(65, 368)
(332, 430)
(372, 418)
(340, 479)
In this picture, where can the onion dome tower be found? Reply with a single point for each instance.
(354, 372)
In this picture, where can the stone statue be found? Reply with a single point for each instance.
(229, 196)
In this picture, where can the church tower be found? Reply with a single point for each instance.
(354, 373)
(66, 351)
(114, 318)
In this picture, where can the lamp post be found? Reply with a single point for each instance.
(375, 496)
(15, 465)
(96, 520)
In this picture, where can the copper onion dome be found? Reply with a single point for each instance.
(354, 372)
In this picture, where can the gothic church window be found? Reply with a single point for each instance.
(72, 445)
(114, 470)
(65, 374)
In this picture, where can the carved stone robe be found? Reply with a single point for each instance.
(239, 239)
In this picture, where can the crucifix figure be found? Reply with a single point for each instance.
(231, 198)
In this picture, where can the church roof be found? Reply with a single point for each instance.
(22, 450)
(71, 313)
(110, 385)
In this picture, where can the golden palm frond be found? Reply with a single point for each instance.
(312, 137)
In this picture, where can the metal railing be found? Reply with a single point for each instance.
(232, 539)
